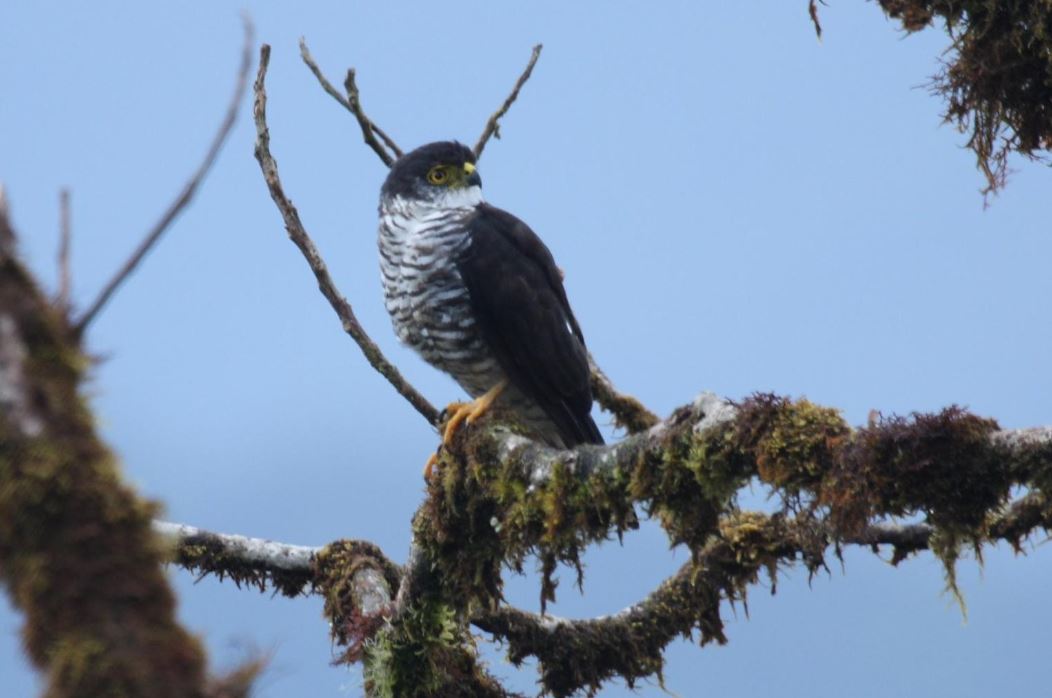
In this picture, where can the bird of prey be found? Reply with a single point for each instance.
(477, 294)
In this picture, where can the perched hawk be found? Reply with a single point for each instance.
(475, 292)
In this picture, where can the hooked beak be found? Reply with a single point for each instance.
(471, 175)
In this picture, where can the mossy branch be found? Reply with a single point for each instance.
(584, 653)
(77, 554)
(501, 497)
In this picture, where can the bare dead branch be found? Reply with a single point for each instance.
(298, 234)
(352, 103)
(62, 298)
(188, 191)
(493, 125)
(368, 127)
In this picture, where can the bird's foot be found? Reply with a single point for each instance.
(458, 413)
(467, 412)
(463, 413)
(430, 465)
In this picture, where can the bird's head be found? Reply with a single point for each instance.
(442, 172)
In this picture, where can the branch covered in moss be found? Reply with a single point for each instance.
(76, 551)
(629, 413)
(997, 78)
(501, 497)
(254, 562)
(583, 654)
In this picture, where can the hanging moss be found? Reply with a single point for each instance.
(997, 76)
(206, 554)
(585, 654)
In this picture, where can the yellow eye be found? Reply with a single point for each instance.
(438, 174)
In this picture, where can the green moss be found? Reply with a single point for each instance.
(428, 652)
(76, 548)
(482, 511)
(335, 567)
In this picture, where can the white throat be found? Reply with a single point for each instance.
(461, 198)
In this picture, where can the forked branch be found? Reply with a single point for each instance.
(352, 102)
(298, 235)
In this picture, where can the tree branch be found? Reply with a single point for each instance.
(502, 497)
(583, 653)
(268, 558)
(352, 103)
(251, 561)
(84, 570)
(492, 127)
(64, 294)
(707, 412)
(185, 196)
(629, 413)
(298, 235)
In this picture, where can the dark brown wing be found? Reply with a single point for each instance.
(521, 309)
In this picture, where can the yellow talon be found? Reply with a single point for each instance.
(461, 412)
(430, 465)
(470, 411)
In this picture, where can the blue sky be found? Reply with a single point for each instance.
(737, 208)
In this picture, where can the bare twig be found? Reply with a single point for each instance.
(368, 127)
(186, 195)
(493, 125)
(7, 231)
(812, 10)
(352, 103)
(299, 236)
(62, 298)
